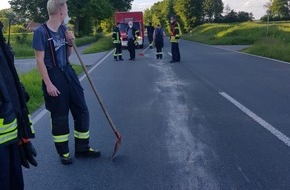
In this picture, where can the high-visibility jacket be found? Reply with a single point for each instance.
(116, 36)
(15, 122)
(175, 32)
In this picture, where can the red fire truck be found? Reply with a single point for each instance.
(137, 18)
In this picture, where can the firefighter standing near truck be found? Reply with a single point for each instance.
(174, 39)
(158, 40)
(116, 37)
(150, 31)
(16, 128)
(132, 35)
(61, 87)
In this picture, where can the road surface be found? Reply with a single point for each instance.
(219, 119)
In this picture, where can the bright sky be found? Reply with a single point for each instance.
(253, 6)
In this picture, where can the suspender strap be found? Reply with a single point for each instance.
(62, 28)
(50, 41)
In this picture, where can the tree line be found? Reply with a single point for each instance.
(87, 16)
(191, 13)
(92, 16)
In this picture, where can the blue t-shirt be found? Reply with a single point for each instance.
(41, 43)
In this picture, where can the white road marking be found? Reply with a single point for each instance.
(258, 119)
(44, 111)
(39, 116)
(145, 49)
(96, 65)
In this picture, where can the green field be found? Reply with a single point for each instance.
(21, 43)
(266, 40)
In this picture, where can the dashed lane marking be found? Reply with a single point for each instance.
(258, 119)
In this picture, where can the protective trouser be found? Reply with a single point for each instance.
(131, 48)
(118, 51)
(71, 98)
(159, 52)
(11, 177)
(150, 39)
(175, 51)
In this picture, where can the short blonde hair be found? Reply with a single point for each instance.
(54, 5)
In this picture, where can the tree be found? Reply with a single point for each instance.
(84, 13)
(244, 16)
(30, 9)
(121, 5)
(189, 11)
(280, 8)
(231, 17)
(213, 9)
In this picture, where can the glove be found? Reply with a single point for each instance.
(27, 153)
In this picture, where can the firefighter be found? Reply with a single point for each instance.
(174, 39)
(116, 37)
(158, 40)
(150, 30)
(132, 35)
(61, 87)
(16, 128)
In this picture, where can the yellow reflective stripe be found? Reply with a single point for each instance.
(66, 155)
(5, 128)
(31, 125)
(60, 138)
(81, 135)
(8, 137)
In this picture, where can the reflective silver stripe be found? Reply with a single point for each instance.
(9, 136)
(81, 135)
(5, 128)
(115, 52)
(31, 125)
(60, 138)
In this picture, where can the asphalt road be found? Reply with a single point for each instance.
(219, 119)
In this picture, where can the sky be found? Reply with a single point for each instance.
(253, 6)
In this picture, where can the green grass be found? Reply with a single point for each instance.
(272, 44)
(25, 50)
(103, 44)
(32, 83)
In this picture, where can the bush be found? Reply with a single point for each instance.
(22, 38)
(17, 29)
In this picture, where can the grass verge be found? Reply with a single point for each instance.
(268, 40)
(103, 44)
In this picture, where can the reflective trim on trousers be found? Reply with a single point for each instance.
(82, 135)
(60, 138)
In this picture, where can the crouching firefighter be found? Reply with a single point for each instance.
(61, 87)
(116, 37)
(16, 128)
